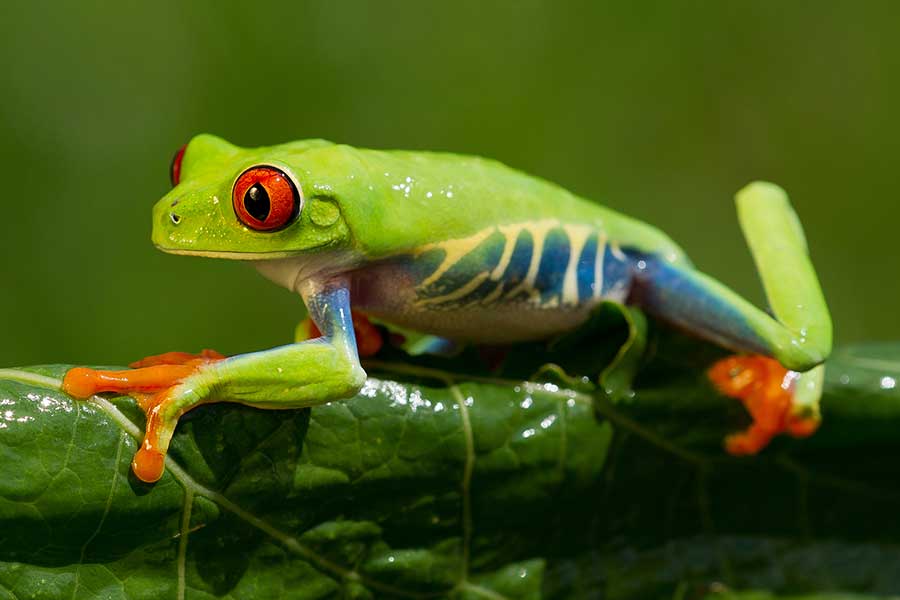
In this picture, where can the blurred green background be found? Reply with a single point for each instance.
(661, 110)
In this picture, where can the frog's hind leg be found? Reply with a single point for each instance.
(799, 335)
(780, 397)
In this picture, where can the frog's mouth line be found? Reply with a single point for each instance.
(228, 255)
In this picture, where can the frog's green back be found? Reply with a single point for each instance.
(417, 198)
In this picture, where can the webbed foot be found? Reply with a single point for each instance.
(158, 384)
(769, 393)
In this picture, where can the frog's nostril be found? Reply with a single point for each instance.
(176, 219)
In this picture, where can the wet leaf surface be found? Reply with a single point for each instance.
(439, 480)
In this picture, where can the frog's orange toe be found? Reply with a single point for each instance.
(766, 389)
(80, 382)
(148, 464)
(747, 442)
(803, 426)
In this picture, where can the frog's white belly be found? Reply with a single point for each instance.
(487, 325)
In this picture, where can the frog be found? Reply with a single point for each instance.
(459, 248)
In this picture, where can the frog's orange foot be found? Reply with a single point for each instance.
(151, 383)
(767, 391)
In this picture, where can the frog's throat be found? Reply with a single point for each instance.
(291, 271)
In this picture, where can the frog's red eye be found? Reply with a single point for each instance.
(175, 167)
(265, 199)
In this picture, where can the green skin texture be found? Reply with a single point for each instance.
(361, 206)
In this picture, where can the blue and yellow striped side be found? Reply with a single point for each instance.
(543, 263)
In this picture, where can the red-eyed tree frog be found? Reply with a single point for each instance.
(466, 249)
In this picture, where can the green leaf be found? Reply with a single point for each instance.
(442, 481)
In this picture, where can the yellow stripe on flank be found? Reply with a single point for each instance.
(454, 251)
(460, 292)
(495, 293)
(538, 230)
(578, 235)
(510, 235)
(457, 249)
(597, 285)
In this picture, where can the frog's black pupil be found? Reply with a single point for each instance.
(257, 203)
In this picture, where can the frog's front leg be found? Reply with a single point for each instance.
(294, 376)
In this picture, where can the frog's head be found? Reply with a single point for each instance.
(255, 203)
